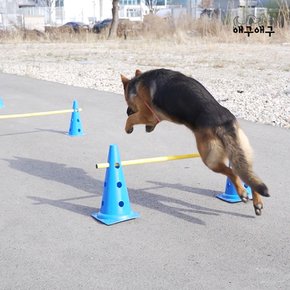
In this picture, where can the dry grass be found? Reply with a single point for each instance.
(155, 28)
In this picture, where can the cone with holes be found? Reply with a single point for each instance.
(115, 206)
(231, 195)
(75, 128)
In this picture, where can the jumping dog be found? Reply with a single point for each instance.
(163, 94)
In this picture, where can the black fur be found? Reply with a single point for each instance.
(183, 98)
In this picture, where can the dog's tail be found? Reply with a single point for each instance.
(239, 153)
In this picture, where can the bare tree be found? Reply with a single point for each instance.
(49, 4)
(150, 4)
(115, 19)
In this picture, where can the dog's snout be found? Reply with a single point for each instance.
(130, 111)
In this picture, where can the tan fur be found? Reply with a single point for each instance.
(214, 156)
(245, 144)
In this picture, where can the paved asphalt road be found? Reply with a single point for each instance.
(185, 237)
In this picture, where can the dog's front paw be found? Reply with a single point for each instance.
(129, 131)
(149, 128)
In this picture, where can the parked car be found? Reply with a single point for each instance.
(99, 26)
(75, 26)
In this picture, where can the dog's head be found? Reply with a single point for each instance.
(129, 97)
(131, 107)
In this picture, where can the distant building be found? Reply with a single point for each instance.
(22, 13)
(137, 9)
(57, 13)
(87, 11)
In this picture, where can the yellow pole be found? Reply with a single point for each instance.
(37, 114)
(150, 160)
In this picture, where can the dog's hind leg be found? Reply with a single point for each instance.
(214, 157)
(257, 202)
(224, 169)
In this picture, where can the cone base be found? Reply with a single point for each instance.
(111, 219)
(229, 197)
(233, 197)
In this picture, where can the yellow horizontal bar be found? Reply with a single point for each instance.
(38, 114)
(150, 160)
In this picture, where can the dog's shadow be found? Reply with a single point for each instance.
(177, 207)
(79, 179)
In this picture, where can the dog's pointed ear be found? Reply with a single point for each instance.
(125, 80)
(137, 72)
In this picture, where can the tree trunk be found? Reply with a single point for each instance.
(115, 20)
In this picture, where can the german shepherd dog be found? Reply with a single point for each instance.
(163, 94)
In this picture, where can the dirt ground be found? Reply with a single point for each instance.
(250, 78)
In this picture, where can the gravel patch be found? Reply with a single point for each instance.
(250, 79)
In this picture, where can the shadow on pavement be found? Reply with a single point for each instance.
(79, 179)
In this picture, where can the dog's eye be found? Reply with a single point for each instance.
(130, 111)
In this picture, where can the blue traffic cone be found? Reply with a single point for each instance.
(115, 205)
(231, 194)
(75, 128)
(1, 104)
